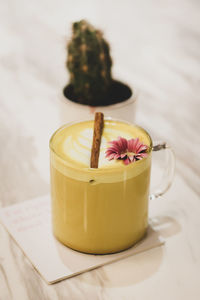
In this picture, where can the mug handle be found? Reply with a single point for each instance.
(169, 170)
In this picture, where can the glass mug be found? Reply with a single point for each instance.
(103, 210)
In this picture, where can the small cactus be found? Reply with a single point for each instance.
(89, 64)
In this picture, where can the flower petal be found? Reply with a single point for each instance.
(116, 156)
(126, 161)
(138, 146)
(110, 156)
(112, 149)
(143, 155)
(122, 143)
(141, 148)
(131, 144)
(131, 157)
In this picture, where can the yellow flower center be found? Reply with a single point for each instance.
(130, 153)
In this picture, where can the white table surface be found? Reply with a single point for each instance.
(155, 43)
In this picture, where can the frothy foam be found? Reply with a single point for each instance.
(73, 143)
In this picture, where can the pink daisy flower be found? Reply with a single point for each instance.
(127, 150)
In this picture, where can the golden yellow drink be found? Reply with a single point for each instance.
(102, 210)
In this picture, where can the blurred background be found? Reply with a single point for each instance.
(154, 44)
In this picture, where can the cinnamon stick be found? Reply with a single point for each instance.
(97, 133)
